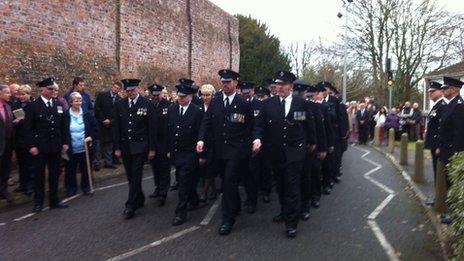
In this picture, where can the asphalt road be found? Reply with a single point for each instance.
(365, 218)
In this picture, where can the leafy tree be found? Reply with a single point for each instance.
(261, 54)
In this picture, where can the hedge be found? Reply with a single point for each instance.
(456, 203)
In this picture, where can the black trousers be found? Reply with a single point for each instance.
(250, 177)
(434, 164)
(133, 164)
(53, 162)
(187, 174)
(265, 174)
(161, 167)
(327, 166)
(228, 169)
(5, 168)
(337, 158)
(306, 181)
(76, 160)
(316, 178)
(288, 181)
(363, 133)
(26, 169)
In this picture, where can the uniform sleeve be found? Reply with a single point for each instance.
(152, 127)
(320, 131)
(258, 128)
(310, 127)
(99, 108)
(205, 125)
(116, 127)
(64, 127)
(29, 125)
(328, 129)
(458, 124)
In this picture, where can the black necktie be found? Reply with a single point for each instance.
(283, 106)
(181, 111)
(49, 104)
(131, 103)
(227, 102)
(113, 97)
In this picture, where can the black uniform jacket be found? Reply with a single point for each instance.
(452, 129)
(161, 109)
(229, 128)
(183, 132)
(286, 137)
(432, 137)
(46, 126)
(134, 128)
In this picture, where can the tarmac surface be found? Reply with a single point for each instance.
(370, 215)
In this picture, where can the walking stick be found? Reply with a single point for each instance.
(89, 169)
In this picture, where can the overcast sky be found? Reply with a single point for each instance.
(302, 20)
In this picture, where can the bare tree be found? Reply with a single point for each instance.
(301, 56)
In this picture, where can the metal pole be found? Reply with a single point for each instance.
(345, 54)
(390, 97)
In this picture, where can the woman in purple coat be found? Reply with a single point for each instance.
(393, 121)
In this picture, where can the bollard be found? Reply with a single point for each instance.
(377, 136)
(440, 189)
(419, 162)
(391, 140)
(404, 149)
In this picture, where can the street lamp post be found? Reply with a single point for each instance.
(345, 48)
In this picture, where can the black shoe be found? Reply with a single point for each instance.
(174, 187)
(87, 193)
(96, 168)
(37, 209)
(326, 191)
(213, 196)
(251, 208)
(70, 194)
(331, 184)
(315, 203)
(278, 218)
(225, 229)
(305, 215)
(337, 180)
(266, 199)
(291, 232)
(161, 202)
(108, 166)
(59, 205)
(155, 194)
(430, 201)
(128, 213)
(179, 220)
(202, 199)
(191, 207)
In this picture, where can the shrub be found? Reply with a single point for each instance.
(456, 202)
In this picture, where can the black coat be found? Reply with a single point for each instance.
(134, 128)
(104, 109)
(47, 126)
(334, 115)
(324, 108)
(286, 137)
(19, 130)
(183, 132)
(161, 109)
(432, 137)
(452, 129)
(321, 136)
(364, 117)
(228, 128)
(90, 124)
(6, 142)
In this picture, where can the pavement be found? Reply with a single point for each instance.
(371, 215)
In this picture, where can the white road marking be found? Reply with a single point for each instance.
(153, 244)
(383, 241)
(74, 197)
(211, 212)
(371, 218)
(2, 224)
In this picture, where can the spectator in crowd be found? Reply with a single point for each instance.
(362, 117)
(165, 94)
(207, 93)
(372, 109)
(173, 97)
(81, 129)
(415, 123)
(23, 157)
(14, 93)
(393, 121)
(6, 142)
(104, 113)
(352, 111)
(79, 85)
(380, 119)
(405, 117)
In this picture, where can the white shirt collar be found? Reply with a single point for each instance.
(231, 97)
(185, 107)
(442, 98)
(45, 100)
(135, 99)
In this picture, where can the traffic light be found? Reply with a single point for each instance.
(390, 80)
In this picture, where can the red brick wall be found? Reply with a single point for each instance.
(105, 40)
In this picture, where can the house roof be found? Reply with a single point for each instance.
(455, 70)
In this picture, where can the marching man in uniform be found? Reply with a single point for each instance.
(134, 140)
